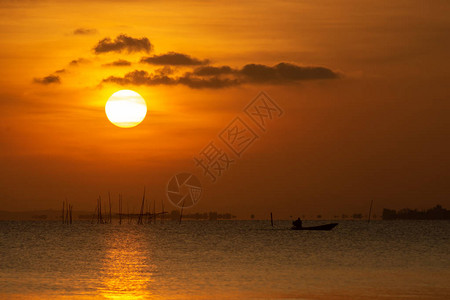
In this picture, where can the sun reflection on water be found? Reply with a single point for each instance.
(127, 271)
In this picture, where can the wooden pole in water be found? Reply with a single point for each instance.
(271, 219)
(128, 213)
(181, 212)
(110, 215)
(370, 210)
(149, 220)
(70, 214)
(105, 212)
(100, 218)
(67, 212)
(63, 220)
(95, 211)
(142, 209)
(98, 211)
(154, 211)
(162, 206)
(100, 203)
(120, 209)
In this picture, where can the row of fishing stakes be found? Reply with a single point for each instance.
(98, 211)
(67, 212)
(140, 217)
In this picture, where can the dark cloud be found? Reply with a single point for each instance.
(214, 82)
(123, 42)
(76, 62)
(118, 63)
(174, 59)
(225, 76)
(166, 70)
(84, 31)
(139, 77)
(284, 72)
(280, 73)
(213, 71)
(60, 71)
(258, 73)
(48, 80)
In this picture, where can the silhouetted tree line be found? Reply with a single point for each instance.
(435, 213)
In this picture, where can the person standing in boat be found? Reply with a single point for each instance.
(297, 223)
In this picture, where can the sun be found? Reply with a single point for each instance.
(126, 108)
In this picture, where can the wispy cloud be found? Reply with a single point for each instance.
(140, 77)
(118, 63)
(166, 70)
(213, 71)
(284, 72)
(225, 76)
(214, 82)
(174, 59)
(123, 43)
(199, 74)
(84, 31)
(78, 61)
(47, 80)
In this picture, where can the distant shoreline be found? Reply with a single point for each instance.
(435, 213)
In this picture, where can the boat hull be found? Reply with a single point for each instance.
(320, 227)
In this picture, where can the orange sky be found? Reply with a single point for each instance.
(379, 130)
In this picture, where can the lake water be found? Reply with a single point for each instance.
(225, 260)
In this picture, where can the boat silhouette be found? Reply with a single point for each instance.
(320, 227)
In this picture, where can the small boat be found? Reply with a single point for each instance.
(320, 227)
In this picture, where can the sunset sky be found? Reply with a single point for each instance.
(364, 87)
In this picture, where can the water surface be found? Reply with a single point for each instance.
(225, 259)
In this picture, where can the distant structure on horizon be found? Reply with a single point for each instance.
(435, 213)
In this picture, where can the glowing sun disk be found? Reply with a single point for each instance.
(126, 109)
